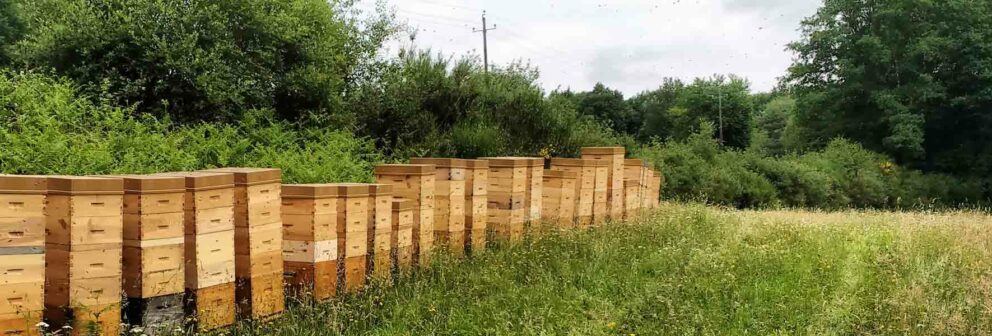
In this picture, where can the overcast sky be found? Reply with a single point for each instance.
(628, 45)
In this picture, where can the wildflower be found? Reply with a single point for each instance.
(611, 325)
(41, 325)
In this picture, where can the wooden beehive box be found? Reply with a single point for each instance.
(600, 205)
(632, 200)
(415, 182)
(380, 230)
(402, 238)
(614, 156)
(310, 245)
(585, 184)
(258, 236)
(209, 248)
(83, 254)
(451, 176)
(352, 231)
(559, 198)
(476, 203)
(507, 197)
(23, 201)
(655, 186)
(153, 254)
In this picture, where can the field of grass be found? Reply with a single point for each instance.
(691, 269)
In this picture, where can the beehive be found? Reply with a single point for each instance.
(209, 248)
(310, 245)
(83, 253)
(646, 188)
(23, 201)
(600, 197)
(655, 188)
(449, 196)
(415, 182)
(633, 170)
(380, 230)
(258, 235)
(507, 193)
(352, 233)
(476, 203)
(559, 198)
(153, 251)
(585, 185)
(614, 156)
(402, 239)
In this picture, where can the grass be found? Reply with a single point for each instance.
(690, 269)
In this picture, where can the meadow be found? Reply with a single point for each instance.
(692, 269)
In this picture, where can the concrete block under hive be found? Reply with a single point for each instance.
(415, 182)
(559, 198)
(209, 301)
(258, 238)
(23, 201)
(83, 253)
(614, 156)
(310, 245)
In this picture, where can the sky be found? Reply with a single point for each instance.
(626, 45)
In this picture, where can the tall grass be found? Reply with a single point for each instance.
(690, 269)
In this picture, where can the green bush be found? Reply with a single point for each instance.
(48, 129)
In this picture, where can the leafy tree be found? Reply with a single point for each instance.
(653, 107)
(10, 28)
(206, 60)
(773, 121)
(608, 106)
(907, 77)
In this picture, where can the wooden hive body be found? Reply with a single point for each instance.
(402, 238)
(508, 197)
(614, 156)
(310, 244)
(476, 204)
(23, 204)
(415, 182)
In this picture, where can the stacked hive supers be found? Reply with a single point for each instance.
(614, 185)
(153, 263)
(380, 230)
(507, 211)
(559, 198)
(23, 201)
(655, 190)
(585, 182)
(84, 252)
(634, 182)
(209, 248)
(353, 240)
(449, 202)
(416, 183)
(600, 205)
(402, 235)
(476, 203)
(258, 234)
(646, 188)
(310, 246)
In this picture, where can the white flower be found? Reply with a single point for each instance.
(41, 325)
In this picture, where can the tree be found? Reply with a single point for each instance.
(608, 106)
(10, 28)
(653, 107)
(773, 121)
(706, 99)
(906, 77)
(204, 60)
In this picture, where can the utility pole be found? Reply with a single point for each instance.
(485, 43)
(720, 99)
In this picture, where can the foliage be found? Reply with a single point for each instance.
(607, 106)
(47, 129)
(844, 174)
(204, 60)
(11, 28)
(908, 78)
(689, 269)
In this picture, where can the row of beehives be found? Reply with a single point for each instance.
(196, 250)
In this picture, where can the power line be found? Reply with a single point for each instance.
(485, 43)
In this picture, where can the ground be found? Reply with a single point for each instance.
(692, 269)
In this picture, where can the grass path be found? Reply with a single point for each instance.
(694, 270)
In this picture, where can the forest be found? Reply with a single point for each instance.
(887, 104)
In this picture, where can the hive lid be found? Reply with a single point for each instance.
(85, 185)
(314, 191)
(23, 184)
(380, 189)
(251, 176)
(477, 164)
(577, 162)
(560, 174)
(507, 162)
(401, 204)
(196, 181)
(150, 184)
(441, 162)
(405, 169)
(353, 189)
(633, 162)
(602, 150)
